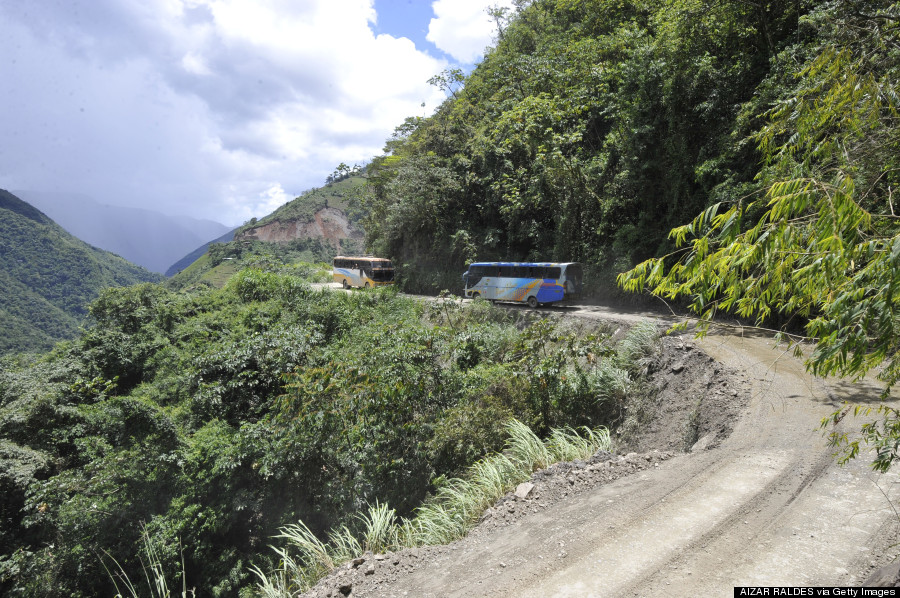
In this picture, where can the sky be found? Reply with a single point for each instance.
(217, 109)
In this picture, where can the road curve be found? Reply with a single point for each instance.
(769, 506)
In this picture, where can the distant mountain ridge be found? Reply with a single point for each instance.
(48, 277)
(197, 254)
(145, 237)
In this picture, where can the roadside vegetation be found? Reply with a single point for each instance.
(813, 248)
(444, 517)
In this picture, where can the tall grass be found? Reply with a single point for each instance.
(381, 531)
(447, 516)
(525, 448)
(567, 445)
(154, 574)
(635, 352)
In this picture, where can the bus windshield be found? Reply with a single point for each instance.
(362, 271)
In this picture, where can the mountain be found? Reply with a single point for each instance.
(327, 214)
(197, 254)
(48, 277)
(314, 227)
(147, 238)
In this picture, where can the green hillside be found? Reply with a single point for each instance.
(196, 254)
(595, 126)
(208, 419)
(48, 278)
(222, 260)
(345, 195)
(201, 416)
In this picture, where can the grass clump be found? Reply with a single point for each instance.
(447, 516)
(636, 351)
(154, 574)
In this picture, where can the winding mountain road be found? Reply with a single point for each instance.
(769, 506)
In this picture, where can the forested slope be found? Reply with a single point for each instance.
(592, 129)
(207, 420)
(314, 227)
(48, 277)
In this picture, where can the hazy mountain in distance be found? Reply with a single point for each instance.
(147, 238)
(48, 278)
(197, 253)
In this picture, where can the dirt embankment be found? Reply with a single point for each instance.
(329, 224)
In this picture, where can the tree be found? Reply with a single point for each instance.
(821, 241)
(448, 81)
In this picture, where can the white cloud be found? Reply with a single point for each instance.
(195, 65)
(463, 28)
(214, 108)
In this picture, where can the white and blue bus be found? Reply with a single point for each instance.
(362, 271)
(534, 283)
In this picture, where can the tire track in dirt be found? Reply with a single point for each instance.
(677, 524)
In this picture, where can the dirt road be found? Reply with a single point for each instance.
(768, 506)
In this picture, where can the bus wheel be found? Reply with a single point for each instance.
(368, 285)
(476, 295)
(344, 284)
(533, 302)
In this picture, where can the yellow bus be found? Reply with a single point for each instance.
(362, 271)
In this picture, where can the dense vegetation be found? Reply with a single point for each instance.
(208, 419)
(223, 260)
(48, 277)
(597, 126)
(592, 128)
(819, 241)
